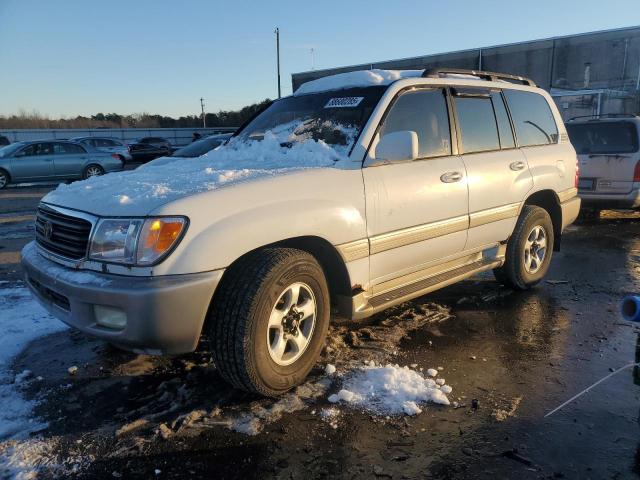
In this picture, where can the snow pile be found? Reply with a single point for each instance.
(286, 148)
(390, 390)
(360, 78)
(21, 321)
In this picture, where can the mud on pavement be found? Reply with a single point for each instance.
(510, 357)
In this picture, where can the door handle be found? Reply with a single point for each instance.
(451, 177)
(515, 166)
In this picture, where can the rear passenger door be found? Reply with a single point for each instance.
(416, 210)
(499, 177)
(69, 160)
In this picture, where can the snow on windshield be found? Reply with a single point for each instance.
(361, 78)
(280, 150)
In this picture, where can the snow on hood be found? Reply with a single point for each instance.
(138, 192)
(360, 78)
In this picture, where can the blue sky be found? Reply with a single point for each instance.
(68, 58)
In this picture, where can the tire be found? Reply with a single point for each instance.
(92, 170)
(4, 179)
(244, 337)
(525, 264)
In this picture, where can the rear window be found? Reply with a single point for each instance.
(603, 137)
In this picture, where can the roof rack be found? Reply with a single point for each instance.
(604, 115)
(490, 76)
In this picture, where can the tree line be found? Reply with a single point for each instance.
(224, 118)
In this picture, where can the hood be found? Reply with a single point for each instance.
(139, 192)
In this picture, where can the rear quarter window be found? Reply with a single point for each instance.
(532, 118)
(603, 137)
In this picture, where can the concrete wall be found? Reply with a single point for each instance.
(600, 60)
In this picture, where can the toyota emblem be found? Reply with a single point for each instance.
(47, 229)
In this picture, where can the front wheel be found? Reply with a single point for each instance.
(269, 319)
(4, 179)
(529, 250)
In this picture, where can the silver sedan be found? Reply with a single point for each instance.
(42, 160)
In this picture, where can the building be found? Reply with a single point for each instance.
(587, 74)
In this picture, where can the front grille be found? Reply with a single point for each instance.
(62, 234)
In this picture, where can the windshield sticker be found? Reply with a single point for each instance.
(344, 102)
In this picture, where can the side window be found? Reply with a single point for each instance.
(67, 149)
(30, 151)
(477, 122)
(38, 149)
(424, 112)
(504, 125)
(102, 143)
(532, 118)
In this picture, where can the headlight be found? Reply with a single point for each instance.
(135, 241)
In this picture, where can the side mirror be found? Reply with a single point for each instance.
(397, 147)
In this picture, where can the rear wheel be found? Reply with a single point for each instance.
(529, 250)
(4, 179)
(92, 171)
(269, 319)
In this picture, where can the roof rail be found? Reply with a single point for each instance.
(490, 76)
(604, 115)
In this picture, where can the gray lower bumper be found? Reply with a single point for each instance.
(611, 200)
(165, 314)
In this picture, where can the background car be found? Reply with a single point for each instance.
(4, 141)
(43, 160)
(200, 147)
(144, 152)
(158, 142)
(107, 145)
(608, 148)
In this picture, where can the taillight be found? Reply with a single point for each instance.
(116, 156)
(577, 178)
(636, 173)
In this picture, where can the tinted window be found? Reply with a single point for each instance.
(67, 149)
(199, 147)
(532, 118)
(38, 149)
(504, 125)
(477, 124)
(424, 112)
(604, 137)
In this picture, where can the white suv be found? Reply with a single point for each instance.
(359, 192)
(609, 155)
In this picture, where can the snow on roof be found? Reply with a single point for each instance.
(360, 78)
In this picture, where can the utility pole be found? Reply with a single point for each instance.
(313, 60)
(277, 32)
(204, 119)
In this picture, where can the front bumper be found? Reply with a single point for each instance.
(164, 314)
(611, 200)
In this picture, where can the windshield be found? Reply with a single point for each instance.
(10, 149)
(603, 137)
(199, 147)
(334, 118)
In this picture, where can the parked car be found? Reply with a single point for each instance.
(157, 142)
(42, 160)
(608, 151)
(107, 145)
(421, 179)
(202, 146)
(4, 141)
(144, 152)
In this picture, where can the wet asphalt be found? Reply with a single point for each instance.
(511, 357)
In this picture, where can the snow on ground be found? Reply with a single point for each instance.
(390, 390)
(284, 149)
(360, 78)
(21, 321)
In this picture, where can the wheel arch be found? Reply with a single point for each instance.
(7, 173)
(549, 201)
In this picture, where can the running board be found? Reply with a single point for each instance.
(385, 300)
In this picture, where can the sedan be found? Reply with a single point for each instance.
(143, 152)
(107, 145)
(43, 160)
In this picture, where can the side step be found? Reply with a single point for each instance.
(394, 297)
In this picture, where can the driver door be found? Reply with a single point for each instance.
(417, 211)
(34, 162)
